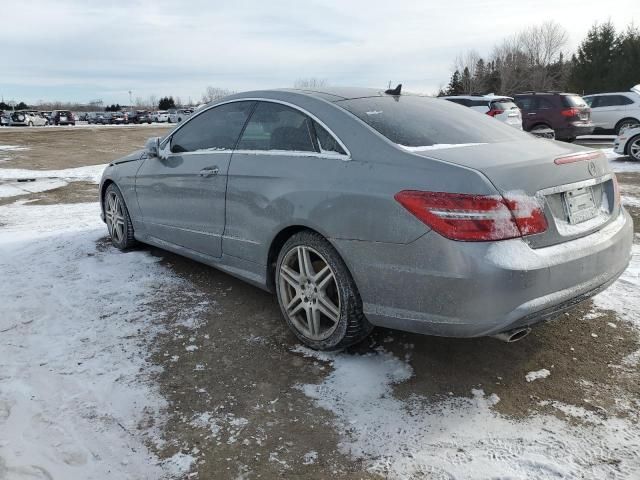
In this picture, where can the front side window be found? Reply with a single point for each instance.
(278, 127)
(414, 121)
(215, 129)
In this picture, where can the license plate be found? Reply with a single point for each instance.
(580, 205)
(584, 116)
(63, 119)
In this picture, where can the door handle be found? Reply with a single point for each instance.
(531, 113)
(209, 172)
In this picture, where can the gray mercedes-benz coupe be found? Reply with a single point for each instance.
(364, 208)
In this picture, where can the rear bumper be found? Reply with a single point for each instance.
(573, 131)
(468, 289)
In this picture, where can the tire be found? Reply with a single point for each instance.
(118, 219)
(625, 122)
(335, 325)
(633, 148)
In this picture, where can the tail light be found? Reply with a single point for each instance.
(570, 112)
(493, 113)
(465, 217)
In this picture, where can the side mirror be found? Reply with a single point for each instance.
(152, 147)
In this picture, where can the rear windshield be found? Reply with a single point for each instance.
(503, 105)
(573, 101)
(414, 121)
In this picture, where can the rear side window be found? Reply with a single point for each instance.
(612, 101)
(525, 103)
(326, 142)
(414, 121)
(215, 129)
(542, 103)
(574, 101)
(277, 127)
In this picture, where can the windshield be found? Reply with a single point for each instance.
(414, 121)
(505, 104)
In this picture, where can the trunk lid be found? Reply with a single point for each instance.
(577, 194)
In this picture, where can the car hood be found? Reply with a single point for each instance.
(137, 155)
(524, 165)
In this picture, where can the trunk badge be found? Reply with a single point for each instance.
(592, 169)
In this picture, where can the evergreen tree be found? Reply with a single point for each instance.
(455, 84)
(595, 61)
(166, 103)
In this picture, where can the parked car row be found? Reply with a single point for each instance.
(559, 115)
(33, 118)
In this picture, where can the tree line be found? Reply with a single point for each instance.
(535, 59)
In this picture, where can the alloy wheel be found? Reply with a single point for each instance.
(634, 149)
(115, 217)
(309, 292)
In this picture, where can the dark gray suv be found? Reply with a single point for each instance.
(567, 114)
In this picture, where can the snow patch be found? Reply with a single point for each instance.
(17, 181)
(620, 163)
(537, 375)
(457, 437)
(77, 315)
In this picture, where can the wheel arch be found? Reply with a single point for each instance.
(278, 242)
(627, 147)
(540, 124)
(623, 120)
(103, 191)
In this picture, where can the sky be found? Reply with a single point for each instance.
(84, 50)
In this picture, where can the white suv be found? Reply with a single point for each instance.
(499, 107)
(613, 111)
(179, 115)
(160, 116)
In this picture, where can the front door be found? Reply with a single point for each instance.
(182, 194)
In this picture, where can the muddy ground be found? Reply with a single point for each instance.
(244, 367)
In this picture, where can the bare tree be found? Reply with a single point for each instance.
(542, 45)
(310, 82)
(152, 101)
(214, 93)
(511, 64)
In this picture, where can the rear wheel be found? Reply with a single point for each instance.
(633, 148)
(317, 295)
(625, 122)
(118, 219)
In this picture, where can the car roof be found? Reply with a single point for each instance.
(611, 93)
(331, 94)
(479, 97)
(543, 93)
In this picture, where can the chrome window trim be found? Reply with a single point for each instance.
(267, 152)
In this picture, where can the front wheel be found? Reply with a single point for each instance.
(317, 295)
(633, 150)
(118, 220)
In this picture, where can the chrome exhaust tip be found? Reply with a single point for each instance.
(511, 336)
